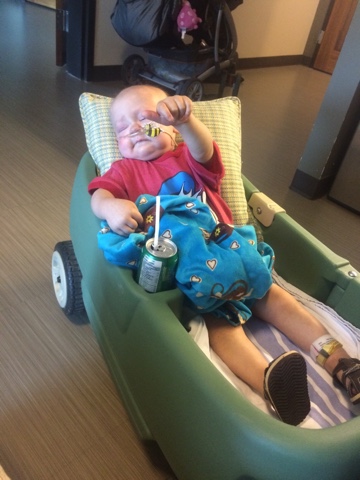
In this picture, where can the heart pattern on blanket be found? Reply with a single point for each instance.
(235, 245)
(211, 263)
(167, 234)
(190, 206)
(195, 279)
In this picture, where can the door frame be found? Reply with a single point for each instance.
(75, 36)
(326, 36)
(61, 27)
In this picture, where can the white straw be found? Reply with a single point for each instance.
(157, 222)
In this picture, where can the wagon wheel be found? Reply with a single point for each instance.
(192, 88)
(131, 68)
(66, 277)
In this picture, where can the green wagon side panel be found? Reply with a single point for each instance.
(174, 395)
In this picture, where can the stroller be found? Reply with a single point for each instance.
(181, 53)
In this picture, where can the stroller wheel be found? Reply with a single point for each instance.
(66, 276)
(131, 68)
(192, 88)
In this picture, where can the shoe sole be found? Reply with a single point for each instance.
(286, 387)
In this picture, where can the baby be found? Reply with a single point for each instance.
(154, 164)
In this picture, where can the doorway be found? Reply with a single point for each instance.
(75, 36)
(334, 32)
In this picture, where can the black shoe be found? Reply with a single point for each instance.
(286, 387)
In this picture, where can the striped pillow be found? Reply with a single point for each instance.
(222, 117)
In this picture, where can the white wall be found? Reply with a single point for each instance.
(266, 28)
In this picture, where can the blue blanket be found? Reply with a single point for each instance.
(221, 268)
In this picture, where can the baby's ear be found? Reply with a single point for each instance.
(176, 131)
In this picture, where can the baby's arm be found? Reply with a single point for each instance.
(177, 111)
(122, 215)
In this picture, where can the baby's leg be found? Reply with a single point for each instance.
(283, 382)
(280, 309)
(236, 350)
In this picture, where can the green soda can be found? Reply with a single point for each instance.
(157, 267)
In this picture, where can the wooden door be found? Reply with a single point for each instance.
(334, 35)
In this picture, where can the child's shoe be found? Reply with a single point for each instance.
(286, 387)
(350, 377)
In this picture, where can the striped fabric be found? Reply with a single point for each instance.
(329, 402)
(222, 116)
(99, 134)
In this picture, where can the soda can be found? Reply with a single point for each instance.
(157, 267)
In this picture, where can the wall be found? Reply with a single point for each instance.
(268, 28)
(265, 28)
(337, 120)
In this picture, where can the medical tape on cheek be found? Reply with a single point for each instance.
(152, 130)
(149, 129)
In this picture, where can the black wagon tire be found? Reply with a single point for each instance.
(66, 277)
(131, 68)
(193, 88)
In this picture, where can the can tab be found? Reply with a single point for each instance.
(158, 248)
(264, 208)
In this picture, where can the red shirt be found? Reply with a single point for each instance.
(174, 173)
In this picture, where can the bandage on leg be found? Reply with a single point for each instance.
(323, 347)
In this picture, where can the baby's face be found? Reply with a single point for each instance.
(128, 118)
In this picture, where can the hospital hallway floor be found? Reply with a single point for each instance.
(61, 416)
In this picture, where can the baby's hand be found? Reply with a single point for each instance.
(123, 216)
(173, 110)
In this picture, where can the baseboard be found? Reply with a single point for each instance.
(310, 187)
(278, 61)
(344, 205)
(104, 73)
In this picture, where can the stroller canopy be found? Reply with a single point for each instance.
(143, 22)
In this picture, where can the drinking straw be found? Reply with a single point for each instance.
(157, 222)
